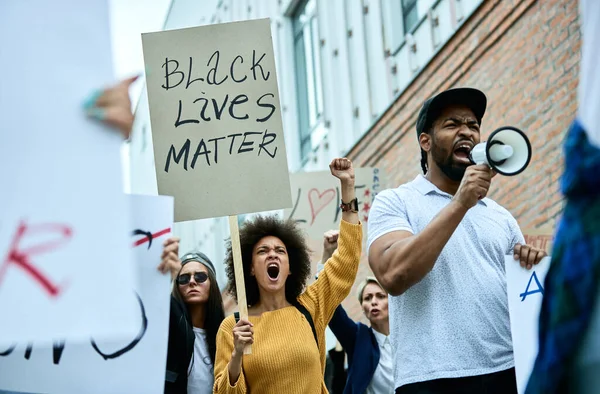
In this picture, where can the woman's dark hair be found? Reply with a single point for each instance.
(297, 249)
(214, 313)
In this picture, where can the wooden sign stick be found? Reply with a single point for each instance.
(238, 269)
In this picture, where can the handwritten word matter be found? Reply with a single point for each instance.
(22, 257)
(209, 149)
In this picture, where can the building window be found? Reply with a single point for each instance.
(308, 73)
(410, 16)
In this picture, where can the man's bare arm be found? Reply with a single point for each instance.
(400, 259)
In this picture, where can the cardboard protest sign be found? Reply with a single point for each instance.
(216, 119)
(129, 365)
(541, 238)
(525, 290)
(317, 195)
(63, 228)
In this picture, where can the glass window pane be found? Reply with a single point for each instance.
(410, 16)
(317, 66)
(308, 72)
(301, 87)
(310, 76)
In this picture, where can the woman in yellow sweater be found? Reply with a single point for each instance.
(285, 357)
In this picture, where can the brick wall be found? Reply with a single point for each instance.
(524, 55)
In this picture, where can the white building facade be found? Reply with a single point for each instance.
(340, 65)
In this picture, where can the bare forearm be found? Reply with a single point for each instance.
(234, 368)
(348, 194)
(407, 261)
(326, 255)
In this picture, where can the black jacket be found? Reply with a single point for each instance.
(181, 348)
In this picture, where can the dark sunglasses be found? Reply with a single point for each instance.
(199, 277)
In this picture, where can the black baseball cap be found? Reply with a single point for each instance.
(199, 257)
(472, 98)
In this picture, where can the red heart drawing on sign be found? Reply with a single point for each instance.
(318, 201)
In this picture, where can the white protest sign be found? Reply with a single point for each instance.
(216, 119)
(64, 257)
(132, 365)
(317, 196)
(525, 290)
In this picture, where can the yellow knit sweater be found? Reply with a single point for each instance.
(285, 358)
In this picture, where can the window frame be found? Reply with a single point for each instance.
(308, 74)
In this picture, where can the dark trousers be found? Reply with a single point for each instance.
(503, 382)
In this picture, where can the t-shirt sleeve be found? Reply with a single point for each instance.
(516, 234)
(388, 213)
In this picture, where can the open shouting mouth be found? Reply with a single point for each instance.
(273, 271)
(462, 150)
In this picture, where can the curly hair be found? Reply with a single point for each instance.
(298, 253)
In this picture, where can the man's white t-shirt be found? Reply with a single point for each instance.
(201, 375)
(454, 322)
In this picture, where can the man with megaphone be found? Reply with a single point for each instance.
(437, 244)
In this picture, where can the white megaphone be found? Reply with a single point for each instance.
(507, 151)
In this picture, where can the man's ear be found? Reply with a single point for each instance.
(425, 141)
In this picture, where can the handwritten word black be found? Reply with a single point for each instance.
(203, 110)
(174, 77)
(243, 144)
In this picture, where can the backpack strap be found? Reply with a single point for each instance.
(302, 310)
(308, 317)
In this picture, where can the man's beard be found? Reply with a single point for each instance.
(445, 161)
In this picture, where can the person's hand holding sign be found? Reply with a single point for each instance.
(528, 255)
(243, 334)
(170, 257)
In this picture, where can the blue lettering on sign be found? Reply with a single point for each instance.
(540, 288)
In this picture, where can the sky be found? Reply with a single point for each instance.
(129, 19)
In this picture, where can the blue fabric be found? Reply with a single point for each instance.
(362, 349)
(574, 275)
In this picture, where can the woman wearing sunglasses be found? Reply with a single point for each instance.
(196, 313)
(287, 320)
